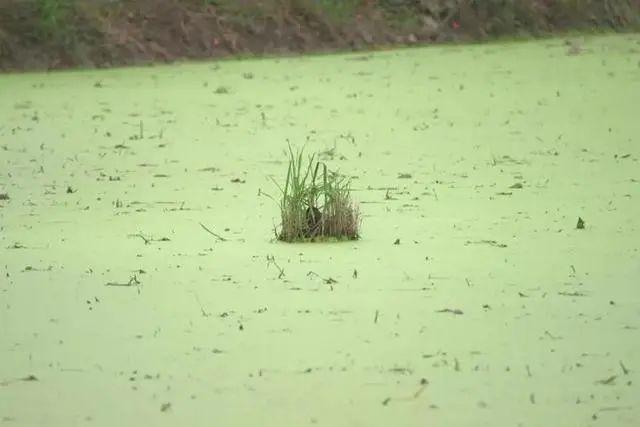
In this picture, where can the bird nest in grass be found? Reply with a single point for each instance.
(315, 203)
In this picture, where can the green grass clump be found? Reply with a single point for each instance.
(316, 203)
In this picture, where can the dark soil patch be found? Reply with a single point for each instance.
(51, 34)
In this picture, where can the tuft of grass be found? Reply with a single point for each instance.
(315, 203)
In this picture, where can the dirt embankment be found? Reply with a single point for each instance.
(49, 34)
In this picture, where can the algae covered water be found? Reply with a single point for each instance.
(141, 283)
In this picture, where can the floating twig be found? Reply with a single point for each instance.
(455, 311)
(28, 378)
(553, 337)
(328, 280)
(608, 381)
(204, 313)
(148, 240)
(572, 294)
(486, 242)
(624, 368)
(271, 260)
(217, 236)
(133, 281)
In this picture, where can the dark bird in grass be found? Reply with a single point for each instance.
(314, 219)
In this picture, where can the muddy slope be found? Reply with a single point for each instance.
(51, 34)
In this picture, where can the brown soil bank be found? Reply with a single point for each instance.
(49, 34)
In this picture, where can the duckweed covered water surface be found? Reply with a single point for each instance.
(141, 283)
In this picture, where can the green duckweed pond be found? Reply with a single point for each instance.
(141, 283)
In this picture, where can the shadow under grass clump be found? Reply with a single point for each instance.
(316, 203)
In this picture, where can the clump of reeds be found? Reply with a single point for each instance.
(316, 203)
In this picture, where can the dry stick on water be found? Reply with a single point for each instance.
(455, 311)
(217, 236)
(327, 281)
(423, 385)
(149, 240)
(28, 378)
(608, 381)
(272, 260)
(204, 313)
(146, 241)
(133, 281)
(624, 368)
